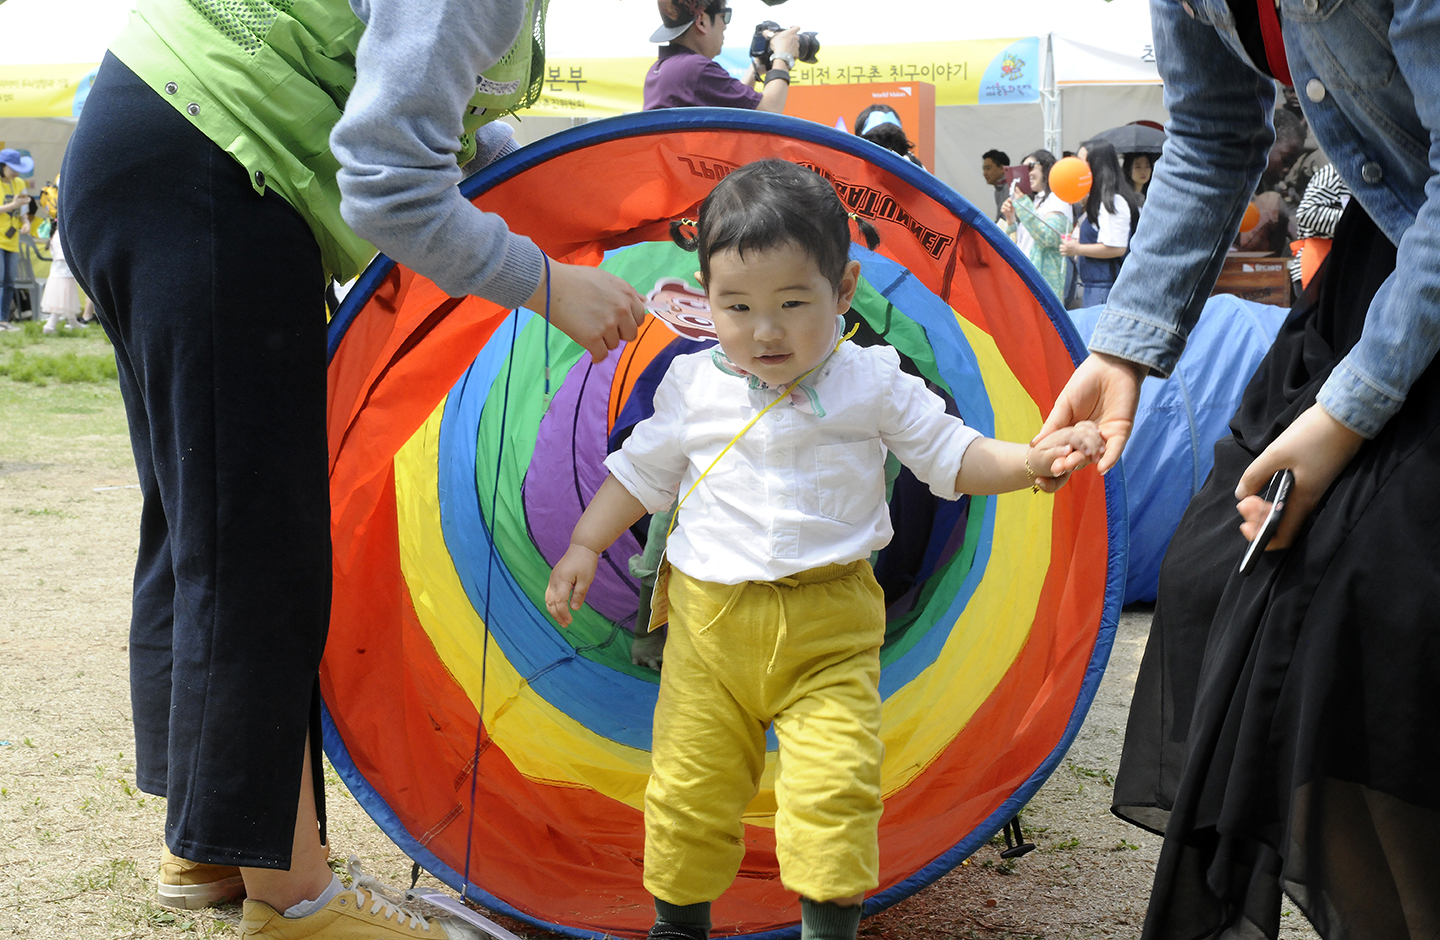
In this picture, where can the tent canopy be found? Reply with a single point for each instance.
(1104, 71)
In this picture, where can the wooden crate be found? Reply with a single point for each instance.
(1251, 275)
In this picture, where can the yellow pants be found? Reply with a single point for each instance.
(804, 653)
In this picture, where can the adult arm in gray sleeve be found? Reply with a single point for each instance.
(415, 73)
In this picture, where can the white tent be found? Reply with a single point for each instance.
(43, 36)
(1103, 67)
(1100, 68)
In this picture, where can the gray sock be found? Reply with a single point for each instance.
(681, 921)
(826, 920)
(306, 908)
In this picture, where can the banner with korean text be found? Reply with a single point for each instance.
(39, 91)
(979, 71)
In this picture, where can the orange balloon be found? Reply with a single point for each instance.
(1250, 219)
(1070, 179)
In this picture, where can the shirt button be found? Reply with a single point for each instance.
(171, 88)
(1312, 5)
(192, 109)
(1315, 90)
(1371, 172)
(776, 416)
(260, 179)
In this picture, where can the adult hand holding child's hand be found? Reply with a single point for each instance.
(1060, 453)
(1104, 390)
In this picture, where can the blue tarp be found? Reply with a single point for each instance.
(1179, 420)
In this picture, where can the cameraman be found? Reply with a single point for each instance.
(686, 75)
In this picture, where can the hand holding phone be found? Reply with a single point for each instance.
(1017, 178)
(1276, 493)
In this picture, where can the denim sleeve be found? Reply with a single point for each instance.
(1402, 326)
(396, 143)
(1220, 133)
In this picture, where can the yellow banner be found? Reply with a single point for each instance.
(34, 91)
(978, 71)
(592, 87)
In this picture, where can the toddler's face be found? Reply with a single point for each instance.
(774, 311)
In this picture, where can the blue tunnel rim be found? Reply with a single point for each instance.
(688, 119)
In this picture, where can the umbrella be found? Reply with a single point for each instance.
(1134, 138)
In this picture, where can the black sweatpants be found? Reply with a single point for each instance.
(213, 296)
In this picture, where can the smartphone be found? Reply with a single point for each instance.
(1276, 493)
(1020, 175)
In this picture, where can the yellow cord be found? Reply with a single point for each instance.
(783, 395)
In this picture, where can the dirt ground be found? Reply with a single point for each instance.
(81, 843)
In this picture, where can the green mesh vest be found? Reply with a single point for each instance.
(267, 80)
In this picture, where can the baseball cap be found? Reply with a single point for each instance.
(677, 15)
(17, 161)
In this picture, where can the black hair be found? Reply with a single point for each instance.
(1289, 127)
(891, 138)
(864, 116)
(997, 157)
(770, 203)
(1127, 168)
(1107, 182)
(1046, 159)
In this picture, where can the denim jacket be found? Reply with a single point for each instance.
(1368, 77)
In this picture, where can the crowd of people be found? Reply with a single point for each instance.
(1080, 248)
(33, 218)
(1285, 725)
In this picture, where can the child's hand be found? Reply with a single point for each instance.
(1047, 457)
(569, 582)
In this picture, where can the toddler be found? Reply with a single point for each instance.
(61, 297)
(777, 439)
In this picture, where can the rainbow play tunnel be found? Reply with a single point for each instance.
(455, 484)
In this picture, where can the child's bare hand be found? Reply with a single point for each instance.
(1062, 452)
(569, 582)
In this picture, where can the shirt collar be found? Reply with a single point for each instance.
(804, 394)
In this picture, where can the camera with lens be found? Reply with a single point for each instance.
(761, 52)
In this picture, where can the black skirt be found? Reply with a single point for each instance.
(1285, 731)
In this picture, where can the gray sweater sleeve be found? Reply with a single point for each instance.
(415, 72)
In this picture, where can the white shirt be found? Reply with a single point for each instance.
(798, 490)
(59, 267)
(1114, 228)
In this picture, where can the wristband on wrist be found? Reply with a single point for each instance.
(780, 74)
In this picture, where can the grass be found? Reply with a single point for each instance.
(64, 424)
(66, 356)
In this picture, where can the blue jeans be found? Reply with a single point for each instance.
(1094, 296)
(8, 260)
(1369, 82)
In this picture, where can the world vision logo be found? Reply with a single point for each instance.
(874, 204)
